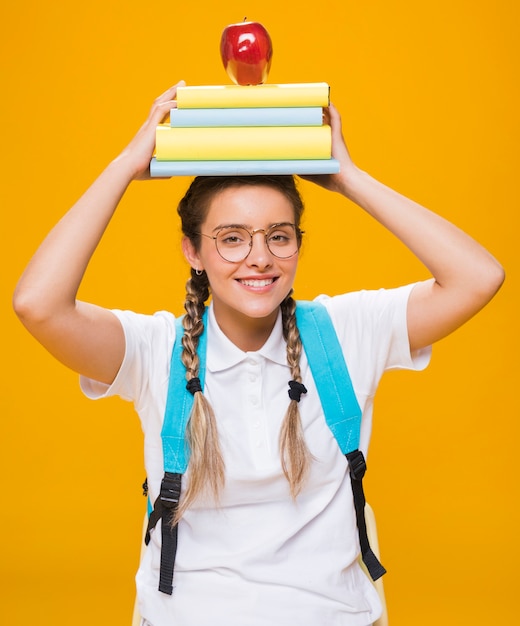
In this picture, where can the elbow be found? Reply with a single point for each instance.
(40, 309)
(496, 278)
(27, 307)
(23, 305)
(491, 279)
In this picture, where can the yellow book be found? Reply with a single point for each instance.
(242, 143)
(237, 96)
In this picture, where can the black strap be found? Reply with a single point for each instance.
(164, 509)
(358, 466)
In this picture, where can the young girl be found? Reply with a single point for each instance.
(267, 530)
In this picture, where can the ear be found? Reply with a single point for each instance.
(190, 253)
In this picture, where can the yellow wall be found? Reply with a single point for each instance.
(429, 96)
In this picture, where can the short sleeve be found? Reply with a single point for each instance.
(372, 328)
(148, 344)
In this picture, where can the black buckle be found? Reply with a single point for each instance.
(170, 490)
(357, 464)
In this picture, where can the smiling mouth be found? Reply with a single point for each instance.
(261, 282)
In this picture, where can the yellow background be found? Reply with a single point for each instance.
(429, 97)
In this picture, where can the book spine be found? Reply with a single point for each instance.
(253, 116)
(167, 169)
(246, 143)
(238, 96)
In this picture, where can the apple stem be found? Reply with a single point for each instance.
(245, 18)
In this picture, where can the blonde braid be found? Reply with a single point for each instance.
(206, 463)
(294, 452)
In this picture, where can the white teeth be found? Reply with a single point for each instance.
(257, 283)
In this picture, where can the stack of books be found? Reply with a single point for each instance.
(236, 129)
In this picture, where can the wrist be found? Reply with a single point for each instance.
(127, 167)
(350, 179)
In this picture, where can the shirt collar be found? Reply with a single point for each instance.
(223, 353)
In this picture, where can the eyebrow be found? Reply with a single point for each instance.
(249, 227)
(220, 226)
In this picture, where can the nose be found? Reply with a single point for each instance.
(260, 255)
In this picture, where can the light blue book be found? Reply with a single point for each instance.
(268, 116)
(167, 169)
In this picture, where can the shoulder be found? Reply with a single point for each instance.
(366, 299)
(372, 323)
(369, 306)
(366, 308)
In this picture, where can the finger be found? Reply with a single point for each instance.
(326, 115)
(170, 93)
(334, 117)
(338, 142)
(164, 103)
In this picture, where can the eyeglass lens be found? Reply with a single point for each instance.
(234, 243)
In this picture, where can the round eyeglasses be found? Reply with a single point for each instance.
(234, 243)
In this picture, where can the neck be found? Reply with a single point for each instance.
(247, 333)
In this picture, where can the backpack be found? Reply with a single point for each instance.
(339, 403)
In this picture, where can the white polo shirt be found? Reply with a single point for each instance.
(261, 559)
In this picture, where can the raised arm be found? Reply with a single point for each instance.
(86, 338)
(465, 275)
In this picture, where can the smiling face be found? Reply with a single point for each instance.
(246, 295)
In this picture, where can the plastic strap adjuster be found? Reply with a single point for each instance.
(171, 490)
(357, 464)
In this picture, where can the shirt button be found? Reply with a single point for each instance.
(254, 400)
(252, 378)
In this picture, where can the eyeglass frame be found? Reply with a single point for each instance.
(298, 232)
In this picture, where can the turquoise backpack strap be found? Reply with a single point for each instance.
(330, 373)
(340, 405)
(179, 403)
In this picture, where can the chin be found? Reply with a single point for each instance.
(259, 307)
(260, 312)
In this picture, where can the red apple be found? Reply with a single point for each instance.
(246, 52)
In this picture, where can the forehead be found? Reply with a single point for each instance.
(253, 206)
